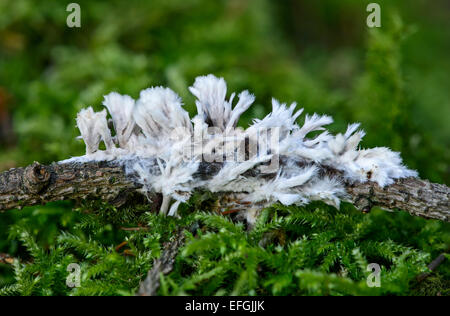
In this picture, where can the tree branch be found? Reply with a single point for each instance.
(417, 197)
(106, 180)
(40, 184)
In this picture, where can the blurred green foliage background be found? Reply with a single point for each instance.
(393, 79)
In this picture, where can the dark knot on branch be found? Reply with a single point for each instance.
(37, 177)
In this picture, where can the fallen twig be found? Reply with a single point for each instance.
(433, 266)
(38, 184)
(162, 265)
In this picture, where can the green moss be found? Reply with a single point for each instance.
(314, 250)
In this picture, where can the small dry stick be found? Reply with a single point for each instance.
(433, 266)
(162, 265)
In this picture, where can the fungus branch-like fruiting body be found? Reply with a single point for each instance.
(121, 109)
(156, 126)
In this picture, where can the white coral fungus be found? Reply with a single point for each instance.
(163, 149)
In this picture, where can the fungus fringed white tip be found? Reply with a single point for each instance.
(121, 108)
(212, 107)
(281, 116)
(157, 127)
(94, 128)
(158, 111)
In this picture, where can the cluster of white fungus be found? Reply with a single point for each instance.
(156, 133)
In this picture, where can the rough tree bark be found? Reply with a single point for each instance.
(106, 180)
